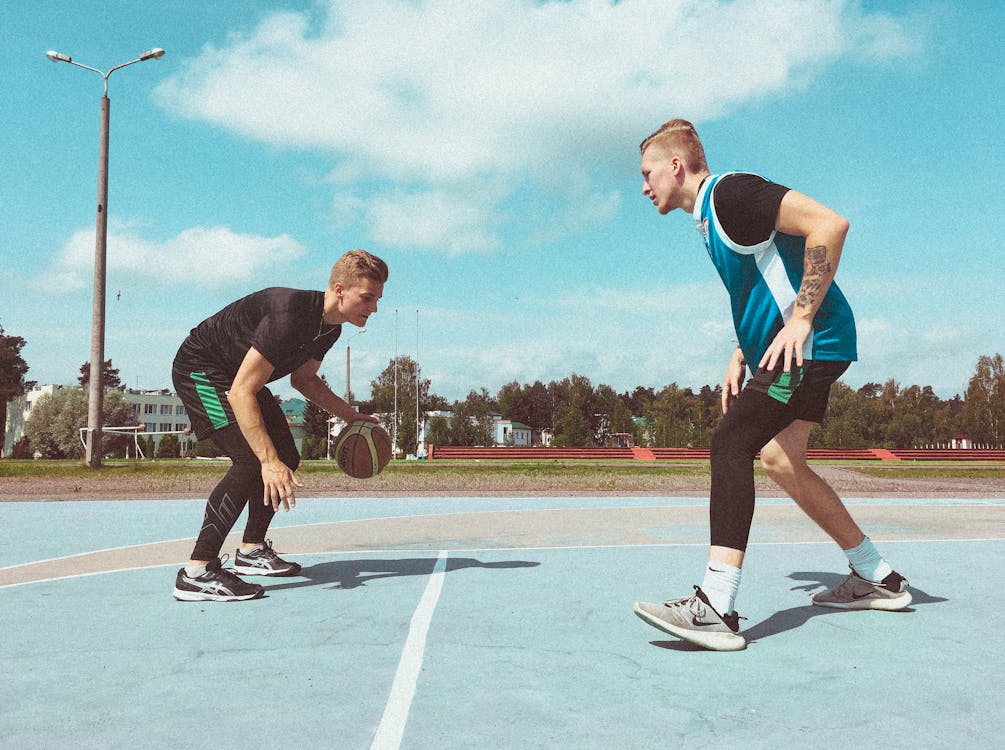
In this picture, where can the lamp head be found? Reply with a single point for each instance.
(155, 53)
(60, 57)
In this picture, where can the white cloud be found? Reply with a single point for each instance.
(446, 219)
(620, 336)
(437, 97)
(207, 257)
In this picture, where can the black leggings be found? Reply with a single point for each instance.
(242, 484)
(750, 424)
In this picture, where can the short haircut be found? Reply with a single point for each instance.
(678, 136)
(355, 265)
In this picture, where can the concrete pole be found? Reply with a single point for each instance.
(96, 392)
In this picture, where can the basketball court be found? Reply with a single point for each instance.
(494, 622)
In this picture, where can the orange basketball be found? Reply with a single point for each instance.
(363, 449)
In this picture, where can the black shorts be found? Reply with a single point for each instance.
(203, 391)
(804, 390)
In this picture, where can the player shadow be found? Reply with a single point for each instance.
(796, 617)
(351, 574)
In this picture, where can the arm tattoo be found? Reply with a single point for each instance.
(813, 278)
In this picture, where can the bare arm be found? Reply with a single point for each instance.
(306, 380)
(278, 478)
(825, 232)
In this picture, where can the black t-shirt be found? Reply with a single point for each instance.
(747, 206)
(283, 325)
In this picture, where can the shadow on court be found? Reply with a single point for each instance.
(796, 617)
(350, 574)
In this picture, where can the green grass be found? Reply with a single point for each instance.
(69, 469)
(940, 470)
(474, 470)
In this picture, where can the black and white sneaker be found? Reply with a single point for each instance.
(215, 585)
(264, 562)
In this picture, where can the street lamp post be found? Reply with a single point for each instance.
(348, 392)
(95, 398)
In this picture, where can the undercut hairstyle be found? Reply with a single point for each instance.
(678, 137)
(356, 265)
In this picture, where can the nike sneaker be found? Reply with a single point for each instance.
(855, 592)
(693, 619)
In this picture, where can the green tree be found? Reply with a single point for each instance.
(396, 387)
(168, 447)
(639, 399)
(315, 430)
(914, 421)
(12, 383)
(605, 401)
(709, 414)
(622, 422)
(55, 422)
(511, 402)
(673, 417)
(472, 422)
(530, 404)
(439, 430)
(983, 415)
(109, 375)
(574, 421)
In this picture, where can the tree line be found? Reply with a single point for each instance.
(579, 414)
(574, 411)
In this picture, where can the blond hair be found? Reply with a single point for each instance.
(679, 137)
(355, 265)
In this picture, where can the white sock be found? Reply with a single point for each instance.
(867, 562)
(194, 571)
(720, 586)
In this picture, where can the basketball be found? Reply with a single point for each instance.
(363, 449)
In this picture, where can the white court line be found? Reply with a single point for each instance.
(468, 550)
(392, 723)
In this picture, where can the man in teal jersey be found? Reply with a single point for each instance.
(776, 251)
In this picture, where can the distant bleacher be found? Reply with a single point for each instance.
(949, 454)
(539, 453)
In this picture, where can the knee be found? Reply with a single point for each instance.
(777, 463)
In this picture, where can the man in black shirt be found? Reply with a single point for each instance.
(221, 372)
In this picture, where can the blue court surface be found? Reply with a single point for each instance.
(495, 623)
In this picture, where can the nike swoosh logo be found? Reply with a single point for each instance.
(698, 623)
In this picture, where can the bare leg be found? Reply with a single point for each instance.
(784, 460)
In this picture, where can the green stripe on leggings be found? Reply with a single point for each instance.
(210, 400)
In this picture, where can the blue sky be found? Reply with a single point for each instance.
(489, 153)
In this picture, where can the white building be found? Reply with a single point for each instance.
(504, 431)
(157, 411)
(18, 412)
(508, 432)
